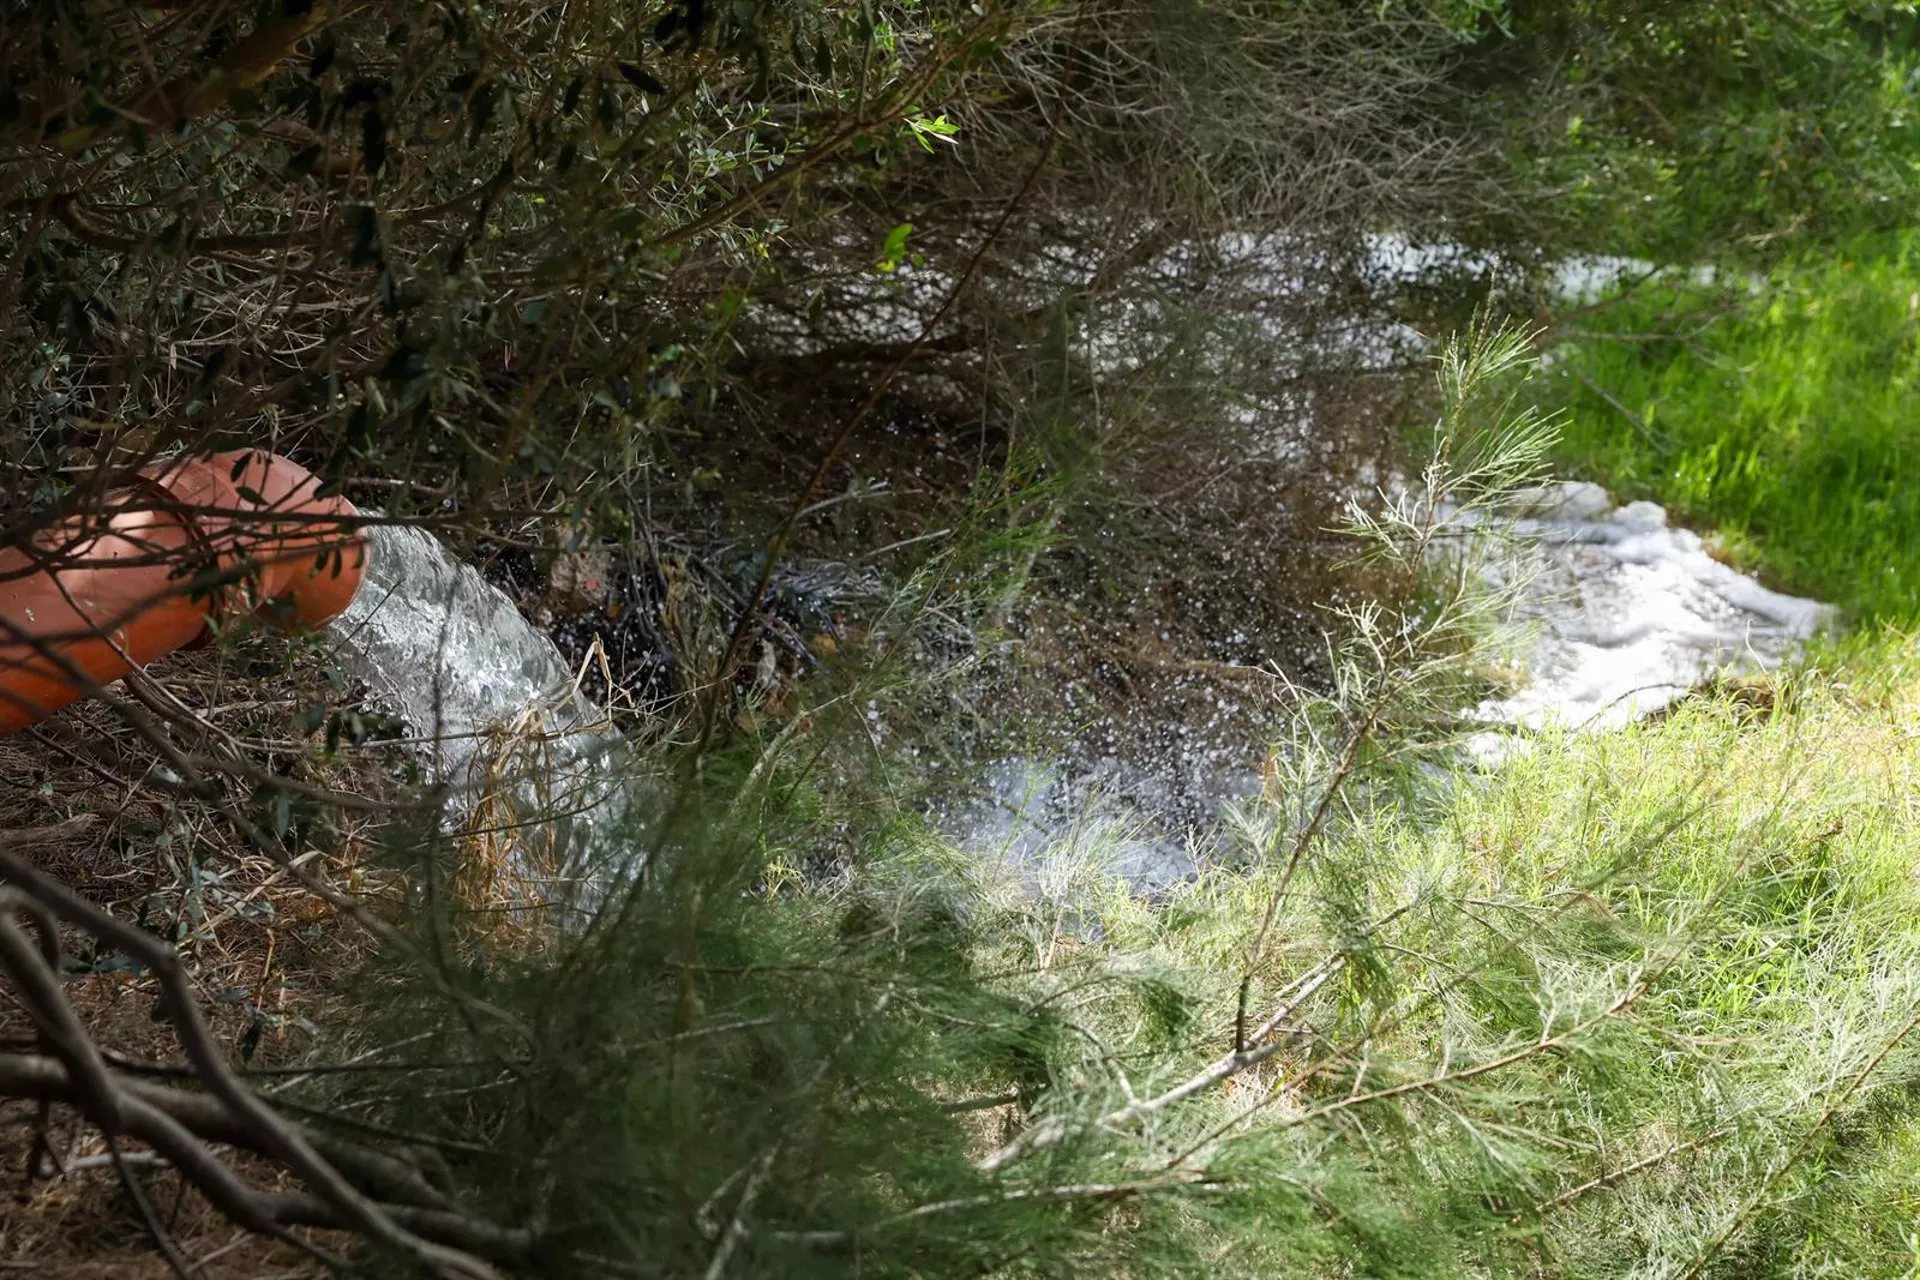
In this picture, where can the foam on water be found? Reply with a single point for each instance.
(1626, 614)
(1630, 613)
(1053, 828)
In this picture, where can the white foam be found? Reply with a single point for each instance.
(1631, 613)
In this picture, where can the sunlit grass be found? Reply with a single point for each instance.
(1641, 1003)
(1785, 416)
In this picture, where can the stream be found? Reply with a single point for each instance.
(1627, 614)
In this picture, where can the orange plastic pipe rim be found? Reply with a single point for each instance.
(198, 542)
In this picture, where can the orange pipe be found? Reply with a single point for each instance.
(195, 544)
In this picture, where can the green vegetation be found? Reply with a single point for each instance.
(1699, 130)
(1638, 1000)
(1641, 1000)
(1781, 415)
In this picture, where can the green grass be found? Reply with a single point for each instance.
(1787, 418)
(1772, 858)
(1637, 1003)
(1640, 1003)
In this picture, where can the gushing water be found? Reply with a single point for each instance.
(1626, 615)
(494, 711)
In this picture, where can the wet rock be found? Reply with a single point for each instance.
(581, 579)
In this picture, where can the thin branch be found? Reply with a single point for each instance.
(116, 1105)
(1712, 1248)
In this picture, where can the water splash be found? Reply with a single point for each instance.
(1626, 615)
(495, 713)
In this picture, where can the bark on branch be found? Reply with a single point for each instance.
(382, 1197)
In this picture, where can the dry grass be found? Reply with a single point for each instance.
(265, 953)
(82, 1223)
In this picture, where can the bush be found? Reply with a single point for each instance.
(646, 275)
(1634, 1000)
(1701, 130)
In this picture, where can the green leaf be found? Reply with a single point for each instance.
(894, 248)
(927, 131)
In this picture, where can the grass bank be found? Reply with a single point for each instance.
(1635, 1003)
(1782, 415)
(1641, 1002)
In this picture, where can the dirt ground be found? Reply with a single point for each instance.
(264, 954)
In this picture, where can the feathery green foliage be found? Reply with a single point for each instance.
(1701, 129)
(1640, 1000)
(547, 274)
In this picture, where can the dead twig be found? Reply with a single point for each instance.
(416, 1221)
